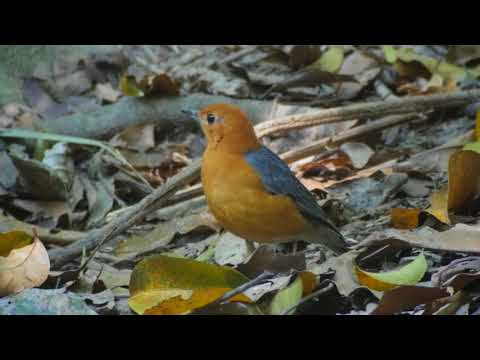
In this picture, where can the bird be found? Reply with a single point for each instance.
(252, 192)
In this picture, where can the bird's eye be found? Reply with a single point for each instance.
(210, 118)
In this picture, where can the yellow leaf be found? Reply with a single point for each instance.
(179, 305)
(405, 218)
(129, 87)
(13, 240)
(439, 206)
(463, 180)
(309, 281)
(24, 262)
(166, 285)
(409, 274)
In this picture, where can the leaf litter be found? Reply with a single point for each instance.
(407, 200)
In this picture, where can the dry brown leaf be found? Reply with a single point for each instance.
(461, 238)
(407, 297)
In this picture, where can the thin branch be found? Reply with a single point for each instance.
(135, 214)
(414, 104)
(309, 297)
(242, 288)
(317, 146)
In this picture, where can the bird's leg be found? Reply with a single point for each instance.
(294, 247)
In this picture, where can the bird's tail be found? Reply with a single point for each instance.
(330, 238)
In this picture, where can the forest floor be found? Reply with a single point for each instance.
(102, 211)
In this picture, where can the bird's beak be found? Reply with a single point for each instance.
(191, 113)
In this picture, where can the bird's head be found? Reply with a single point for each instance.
(226, 128)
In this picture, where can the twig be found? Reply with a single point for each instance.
(311, 296)
(136, 213)
(237, 55)
(159, 197)
(258, 280)
(404, 105)
(348, 135)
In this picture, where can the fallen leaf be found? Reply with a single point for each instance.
(257, 292)
(24, 262)
(344, 267)
(309, 281)
(330, 61)
(405, 218)
(266, 259)
(460, 238)
(407, 297)
(463, 180)
(286, 298)
(230, 308)
(44, 302)
(462, 54)
(105, 92)
(409, 274)
(40, 181)
(139, 137)
(442, 68)
(358, 153)
(165, 285)
(142, 83)
(162, 235)
(231, 250)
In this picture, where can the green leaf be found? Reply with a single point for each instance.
(409, 274)
(331, 61)
(286, 298)
(390, 53)
(474, 146)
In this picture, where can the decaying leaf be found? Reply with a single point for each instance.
(24, 262)
(163, 285)
(44, 302)
(344, 271)
(163, 234)
(460, 238)
(266, 259)
(231, 250)
(434, 66)
(407, 297)
(358, 153)
(143, 83)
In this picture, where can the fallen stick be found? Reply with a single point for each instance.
(159, 197)
(136, 213)
(163, 112)
(351, 134)
(376, 109)
(112, 119)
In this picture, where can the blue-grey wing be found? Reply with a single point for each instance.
(278, 179)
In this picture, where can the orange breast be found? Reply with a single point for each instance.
(236, 196)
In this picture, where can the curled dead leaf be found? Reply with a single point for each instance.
(24, 262)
